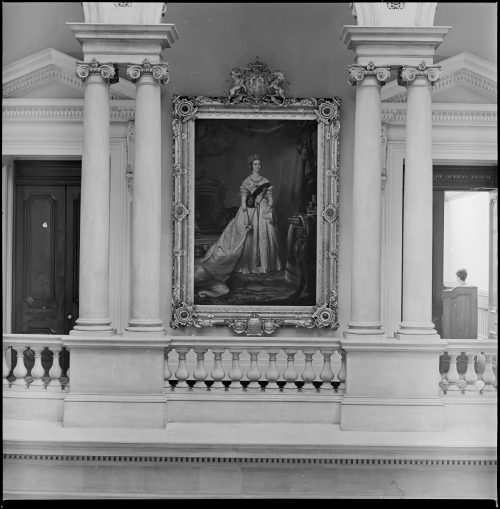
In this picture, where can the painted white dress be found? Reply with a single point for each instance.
(243, 249)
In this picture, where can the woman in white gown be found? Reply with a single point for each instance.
(249, 243)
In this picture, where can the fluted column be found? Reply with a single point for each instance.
(95, 190)
(146, 208)
(417, 214)
(367, 201)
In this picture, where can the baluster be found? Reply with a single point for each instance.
(470, 375)
(342, 373)
(254, 373)
(272, 372)
(308, 375)
(235, 373)
(326, 372)
(55, 372)
(20, 371)
(452, 376)
(291, 374)
(489, 377)
(37, 372)
(217, 371)
(182, 372)
(443, 383)
(200, 373)
(5, 369)
(166, 370)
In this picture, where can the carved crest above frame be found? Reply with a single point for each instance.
(255, 258)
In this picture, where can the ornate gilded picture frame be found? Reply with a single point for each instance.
(255, 209)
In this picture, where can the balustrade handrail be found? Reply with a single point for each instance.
(478, 345)
(32, 339)
(263, 343)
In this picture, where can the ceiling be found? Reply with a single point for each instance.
(29, 27)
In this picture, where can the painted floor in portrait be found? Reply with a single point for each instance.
(259, 290)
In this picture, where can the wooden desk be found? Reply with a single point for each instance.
(460, 312)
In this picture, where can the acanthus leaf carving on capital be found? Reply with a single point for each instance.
(408, 74)
(106, 71)
(158, 71)
(358, 73)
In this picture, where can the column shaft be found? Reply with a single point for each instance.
(417, 219)
(146, 209)
(367, 211)
(94, 222)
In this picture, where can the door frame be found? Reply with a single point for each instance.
(50, 130)
(447, 149)
(440, 186)
(59, 176)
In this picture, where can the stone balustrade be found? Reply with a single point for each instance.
(271, 365)
(35, 362)
(469, 367)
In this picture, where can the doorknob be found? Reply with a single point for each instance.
(69, 317)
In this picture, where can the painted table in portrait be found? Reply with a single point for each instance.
(256, 186)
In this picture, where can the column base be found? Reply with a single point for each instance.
(153, 327)
(92, 332)
(364, 330)
(100, 326)
(415, 330)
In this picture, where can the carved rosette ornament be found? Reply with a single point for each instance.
(358, 73)
(327, 111)
(330, 213)
(185, 108)
(179, 211)
(324, 316)
(408, 74)
(183, 315)
(158, 71)
(106, 71)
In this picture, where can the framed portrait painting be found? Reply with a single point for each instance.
(256, 186)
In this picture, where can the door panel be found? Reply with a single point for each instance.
(46, 246)
(40, 247)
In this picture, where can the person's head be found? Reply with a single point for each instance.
(461, 274)
(254, 163)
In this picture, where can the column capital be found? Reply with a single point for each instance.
(158, 71)
(408, 74)
(357, 73)
(106, 71)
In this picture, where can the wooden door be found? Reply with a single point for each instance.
(46, 246)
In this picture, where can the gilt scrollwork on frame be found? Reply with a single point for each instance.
(255, 207)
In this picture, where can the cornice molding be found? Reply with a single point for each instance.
(443, 113)
(463, 69)
(259, 459)
(49, 65)
(58, 109)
